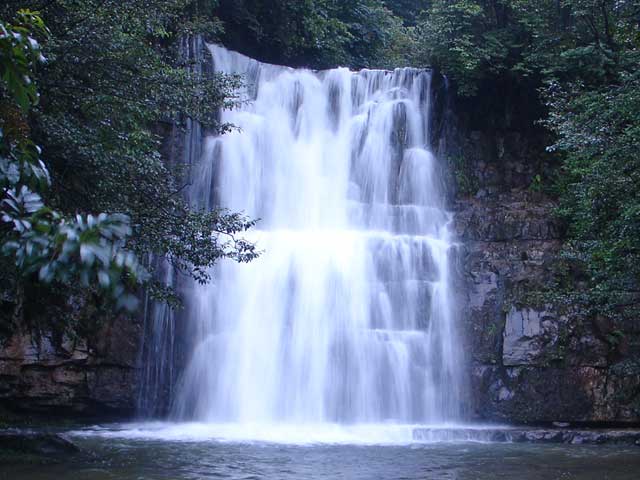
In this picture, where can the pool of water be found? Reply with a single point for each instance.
(174, 452)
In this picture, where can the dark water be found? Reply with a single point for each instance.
(112, 458)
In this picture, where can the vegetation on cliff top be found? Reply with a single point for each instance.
(113, 74)
(86, 194)
(579, 61)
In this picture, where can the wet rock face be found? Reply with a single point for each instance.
(527, 333)
(94, 376)
(529, 361)
(562, 434)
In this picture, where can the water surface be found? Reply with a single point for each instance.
(138, 452)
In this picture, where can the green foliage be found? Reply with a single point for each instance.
(40, 239)
(580, 60)
(19, 54)
(312, 33)
(408, 10)
(465, 179)
(477, 40)
(114, 75)
(597, 123)
(536, 184)
(451, 39)
(594, 110)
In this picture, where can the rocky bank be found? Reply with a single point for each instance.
(94, 376)
(530, 361)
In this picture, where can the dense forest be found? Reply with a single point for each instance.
(88, 197)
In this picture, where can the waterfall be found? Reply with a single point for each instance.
(160, 348)
(347, 316)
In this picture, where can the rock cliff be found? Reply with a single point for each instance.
(94, 376)
(530, 361)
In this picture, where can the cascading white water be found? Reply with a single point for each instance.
(347, 316)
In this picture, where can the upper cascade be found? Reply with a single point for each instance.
(348, 315)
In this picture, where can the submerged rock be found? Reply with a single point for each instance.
(36, 443)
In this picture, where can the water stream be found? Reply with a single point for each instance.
(347, 316)
(111, 457)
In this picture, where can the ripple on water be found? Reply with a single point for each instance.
(137, 458)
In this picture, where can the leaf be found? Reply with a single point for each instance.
(87, 255)
(128, 302)
(103, 279)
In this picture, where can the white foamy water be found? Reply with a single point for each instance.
(347, 317)
(308, 434)
(295, 434)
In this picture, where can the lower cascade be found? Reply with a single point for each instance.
(347, 317)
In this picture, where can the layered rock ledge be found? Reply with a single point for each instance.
(525, 435)
(94, 376)
(530, 361)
